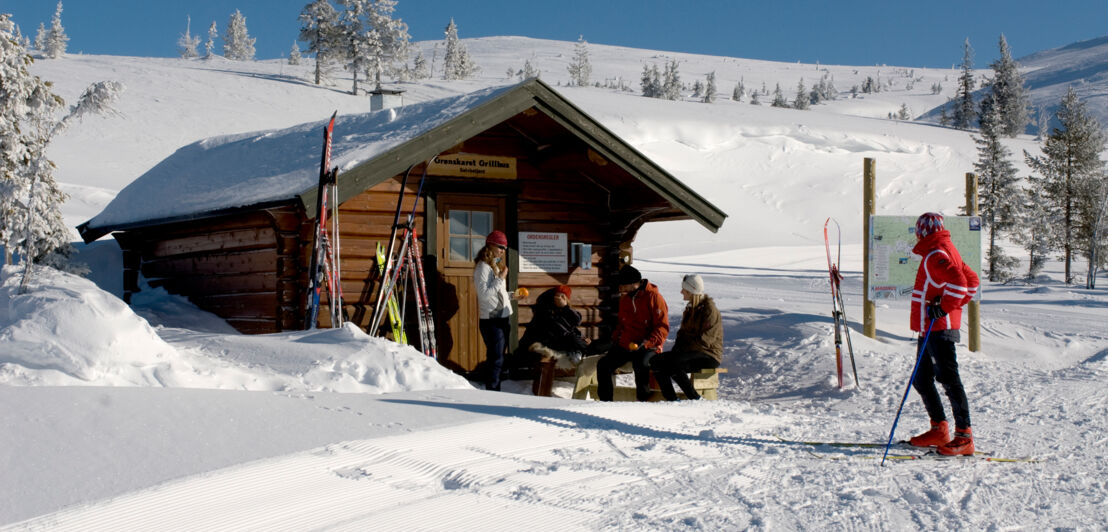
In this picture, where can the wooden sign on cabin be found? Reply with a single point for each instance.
(472, 165)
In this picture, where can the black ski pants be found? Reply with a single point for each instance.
(606, 373)
(939, 363)
(677, 365)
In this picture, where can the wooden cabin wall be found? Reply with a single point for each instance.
(365, 220)
(577, 207)
(243, 268)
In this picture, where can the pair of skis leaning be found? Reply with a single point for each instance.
(394, 266)
(324, 270)
(838, 308)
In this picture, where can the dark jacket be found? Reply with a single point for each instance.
(552, 326)
(701, 330)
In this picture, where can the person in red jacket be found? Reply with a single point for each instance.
(641, 329)
(944, 284)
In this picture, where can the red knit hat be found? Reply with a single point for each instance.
(928, 223)
(497, 238)
(564, 290)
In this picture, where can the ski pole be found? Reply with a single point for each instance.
(919, 357)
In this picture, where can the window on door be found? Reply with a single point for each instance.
(467, 232)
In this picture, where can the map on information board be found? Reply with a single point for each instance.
(892, 266)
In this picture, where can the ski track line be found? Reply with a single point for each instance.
(357, 482)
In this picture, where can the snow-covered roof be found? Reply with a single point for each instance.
(225, 173)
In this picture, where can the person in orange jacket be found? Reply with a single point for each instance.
(641, 330)
(944, 284)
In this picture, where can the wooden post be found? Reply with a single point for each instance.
(869, 208)
(974, 306)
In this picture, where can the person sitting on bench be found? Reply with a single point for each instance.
(554, 336)
(641, 330)
(699, 343)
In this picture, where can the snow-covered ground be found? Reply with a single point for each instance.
(159, 417)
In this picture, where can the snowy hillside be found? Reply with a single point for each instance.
(157, 416)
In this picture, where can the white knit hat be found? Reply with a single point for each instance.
(693, 284)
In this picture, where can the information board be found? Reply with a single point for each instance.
(543, 252)
(893, 266)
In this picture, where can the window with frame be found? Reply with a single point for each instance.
(467, 232)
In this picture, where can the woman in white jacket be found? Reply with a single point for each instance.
(490, 278)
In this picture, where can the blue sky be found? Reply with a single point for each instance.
(917, 33)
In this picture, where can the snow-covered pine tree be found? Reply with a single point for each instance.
(737, 94)
(237, 42)
(1037, 219)
(319, 28)
(27, 124)
(56, 39)
(580, 70)
(697, 89)
(802, 100)
(388, 40)
(1072, 175)
(420, 68)
(964, 115)
(294, 54)
(209, 45)
(529, 70)
(754, 98)
(456, 63)
(997, 189)
(651, 82)
(710, 88)
(779, 98)
(40, 38)
(671, 81)
(187, 42)
(1009, 93)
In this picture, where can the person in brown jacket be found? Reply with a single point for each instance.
(699, 343)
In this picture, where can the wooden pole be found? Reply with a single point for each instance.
(869, 208)
(974, 306)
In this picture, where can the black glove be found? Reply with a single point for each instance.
(935, 311)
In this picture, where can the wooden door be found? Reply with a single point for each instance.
(462, 225)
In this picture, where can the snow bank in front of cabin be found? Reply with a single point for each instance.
(66, 331)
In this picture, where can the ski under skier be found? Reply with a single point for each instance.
(944, 284)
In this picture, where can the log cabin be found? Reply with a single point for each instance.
(228, 222)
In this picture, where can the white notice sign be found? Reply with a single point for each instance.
(543, 252)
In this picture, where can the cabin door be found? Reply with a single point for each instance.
(463, 223)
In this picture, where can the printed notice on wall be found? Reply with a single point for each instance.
(543, 252)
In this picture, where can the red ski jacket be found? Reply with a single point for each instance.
(643, 319)
(942, 275)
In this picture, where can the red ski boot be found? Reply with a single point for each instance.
(961, 445)
(938, 435)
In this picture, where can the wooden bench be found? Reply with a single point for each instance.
(705, 381)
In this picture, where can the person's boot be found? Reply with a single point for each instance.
(938, 435)
(961, 445)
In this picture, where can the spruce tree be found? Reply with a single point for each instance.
(40, 38)
(209, 45)
(456, 62)
(997, 191)
(319, 28)
(963, 116)
(802, 98)
(671, 81)
(237, 43)
(580, 70)
(1009, 93)
(779, 98)
(710, 88)
(1072, 176)
(188, 42)
(294, 54)
(1037, 221)
(56, 39)
(30, 198)
(420, 68)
